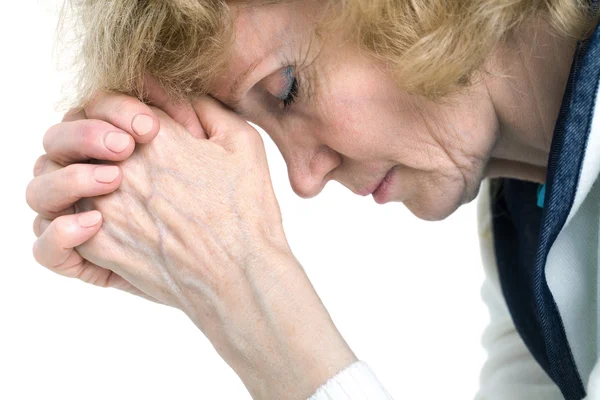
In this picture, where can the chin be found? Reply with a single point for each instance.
(428, 214)
(437, 207)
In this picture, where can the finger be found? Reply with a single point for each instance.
(74, 114)
(225, 127)
(44, 165)
(40, 224)
(126, 113)
(180, 111)
(76, 141)
(53, 193)
(55, 249)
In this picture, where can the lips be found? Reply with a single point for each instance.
(381, 194)
(379, 188)
(369, 190)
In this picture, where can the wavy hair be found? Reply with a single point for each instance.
(433, 47)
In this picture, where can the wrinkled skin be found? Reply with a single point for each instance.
(180, 230)
(351, 122)
(160, 224)
(190, 219)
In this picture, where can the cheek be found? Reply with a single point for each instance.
(373, 121)
(358, 120)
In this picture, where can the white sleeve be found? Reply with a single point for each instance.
(356, 382)
(593, 389)
(510, 371)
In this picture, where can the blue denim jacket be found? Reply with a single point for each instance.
(525, 233)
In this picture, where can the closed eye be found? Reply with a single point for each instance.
(291, 95)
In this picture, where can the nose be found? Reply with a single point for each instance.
(308, 171)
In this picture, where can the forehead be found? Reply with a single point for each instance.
(262, 32)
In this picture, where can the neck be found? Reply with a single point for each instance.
(526, 85)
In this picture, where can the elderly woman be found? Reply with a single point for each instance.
(410, 101)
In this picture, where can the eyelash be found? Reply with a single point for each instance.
(292, 95)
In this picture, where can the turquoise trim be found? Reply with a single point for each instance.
(541, 196)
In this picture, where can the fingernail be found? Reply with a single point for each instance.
(106, 174)
(142, 124)
(116, 142)
(89, 219)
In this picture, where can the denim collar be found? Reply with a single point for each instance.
(524, 233)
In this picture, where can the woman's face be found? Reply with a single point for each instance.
(336, 114)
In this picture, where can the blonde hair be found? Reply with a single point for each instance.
(182, 44)
(433, 47)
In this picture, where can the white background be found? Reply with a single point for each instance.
(403, 292)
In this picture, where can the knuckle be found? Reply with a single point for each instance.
(31, 195)
(185, 119)
(37, 225)
(55, 236)
(88, 132)
(61, 229)
(72, 114)
(38, 254)
(40, 165)
(76, 176)
(126, 104)
(40, 225)
(249, 137)
(50, 136)
(44, 224)
(73, 180)
(94, 101)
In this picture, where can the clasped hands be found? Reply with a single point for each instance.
(186, 217)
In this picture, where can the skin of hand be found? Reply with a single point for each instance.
(349, 123)
(106, 129)
(201, 231)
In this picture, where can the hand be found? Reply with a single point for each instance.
(106, 129)
(181, 193)
(195, 224)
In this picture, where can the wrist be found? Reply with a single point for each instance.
(298, 347)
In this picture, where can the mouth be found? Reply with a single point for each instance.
(380, 189)
(381, 194)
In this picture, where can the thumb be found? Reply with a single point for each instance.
(224, 127)
(181, 112)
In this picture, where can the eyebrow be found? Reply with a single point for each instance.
(236, 87)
